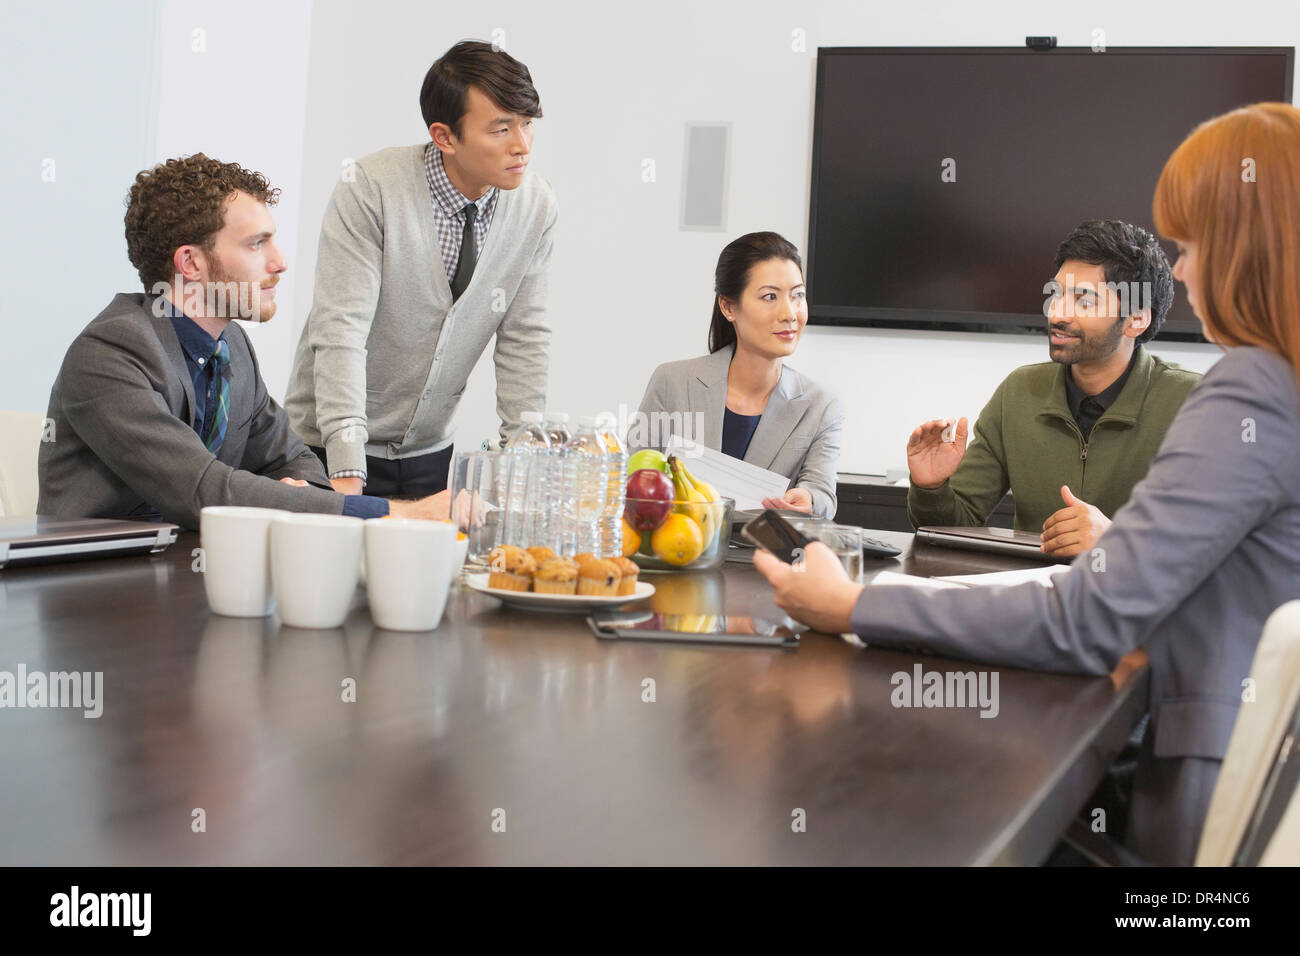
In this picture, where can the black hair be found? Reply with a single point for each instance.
(1127, 254)
(503, 79)
(738, 258)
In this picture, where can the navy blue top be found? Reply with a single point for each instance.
(737, 430)
(199, 347)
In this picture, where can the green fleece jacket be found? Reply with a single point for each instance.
(1026, 440)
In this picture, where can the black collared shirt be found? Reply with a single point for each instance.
(1086, 409)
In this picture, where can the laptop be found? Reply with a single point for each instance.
(39, 540)
(1023, 544)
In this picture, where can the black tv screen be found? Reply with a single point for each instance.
(1033, 143)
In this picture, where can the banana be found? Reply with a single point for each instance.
(694, 505)
(712, 497)
(703, 487)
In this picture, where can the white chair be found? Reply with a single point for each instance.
(1254, 815)
(20, 441)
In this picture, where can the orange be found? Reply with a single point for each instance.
(678, 541)
(631, 539)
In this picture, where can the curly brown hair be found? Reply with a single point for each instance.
(183, 202)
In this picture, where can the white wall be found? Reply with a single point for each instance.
(233, 85)
(629, 290)
(77, 101)
(108, 89)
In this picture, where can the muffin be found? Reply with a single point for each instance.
(598, 578)
(556, 576)
(512, 568)
(627, 583)
(540, 554)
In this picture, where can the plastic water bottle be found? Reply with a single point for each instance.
(557, 429)
(534, 490)
(586, 480)
(561, 527)
(611, 519)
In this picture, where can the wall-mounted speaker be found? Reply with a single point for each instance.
(704, 182)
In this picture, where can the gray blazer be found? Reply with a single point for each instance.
(124, 442)
(798, 435)
(1206, 548)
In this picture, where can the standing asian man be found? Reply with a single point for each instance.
(426, 253)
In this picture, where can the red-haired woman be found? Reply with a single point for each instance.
(1209, 543)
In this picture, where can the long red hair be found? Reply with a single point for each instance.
(1233, 188)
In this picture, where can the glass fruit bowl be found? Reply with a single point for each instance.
(678, 535)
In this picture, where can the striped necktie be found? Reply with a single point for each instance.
(218, 398)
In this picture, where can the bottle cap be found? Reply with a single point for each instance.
(531, 418)
(558, 417)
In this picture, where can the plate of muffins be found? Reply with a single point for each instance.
(539, 579)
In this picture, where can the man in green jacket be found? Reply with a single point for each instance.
(1070, 437)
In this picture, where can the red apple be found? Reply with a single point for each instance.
(649, 499)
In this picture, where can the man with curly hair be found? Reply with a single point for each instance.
(159, 409)
(427, 253)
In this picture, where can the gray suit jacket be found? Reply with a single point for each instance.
(1206, 548)
(124, 442)
(798, 435)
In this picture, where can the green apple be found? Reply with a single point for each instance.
(648, 458)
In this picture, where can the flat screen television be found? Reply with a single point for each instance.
(1032, 143)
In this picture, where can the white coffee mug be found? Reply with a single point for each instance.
(237, 559)
(315, 560)
(409, 572)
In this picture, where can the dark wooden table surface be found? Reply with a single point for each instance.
(507, 737)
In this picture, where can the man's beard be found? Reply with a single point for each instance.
(240, 300)
(1097, 347)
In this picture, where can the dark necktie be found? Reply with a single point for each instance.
(468, 254)
(218, 398)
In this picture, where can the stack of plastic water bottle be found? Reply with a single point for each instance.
(567, 490)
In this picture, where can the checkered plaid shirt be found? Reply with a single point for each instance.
(449, 217)
(448, 210)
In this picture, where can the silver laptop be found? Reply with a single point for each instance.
(1024, 544)
(36, 540)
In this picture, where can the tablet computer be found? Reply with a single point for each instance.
(615, 624)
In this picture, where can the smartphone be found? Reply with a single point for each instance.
(773, 533)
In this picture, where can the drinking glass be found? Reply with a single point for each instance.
(844, 540)
(479, 489)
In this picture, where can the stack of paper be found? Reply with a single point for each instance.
(731, 478)
(1041, 575)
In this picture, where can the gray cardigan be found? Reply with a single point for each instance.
(385, 355)
(798, 435)
(1205, 549)
(124, 440)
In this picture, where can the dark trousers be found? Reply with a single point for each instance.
(404, 477)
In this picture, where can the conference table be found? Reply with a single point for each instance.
(514, 737)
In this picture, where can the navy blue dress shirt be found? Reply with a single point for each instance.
(737, 430)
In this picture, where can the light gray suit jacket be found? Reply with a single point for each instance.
(798, 435)
(1207, 547)
(124, 443)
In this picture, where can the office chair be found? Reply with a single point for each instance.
(1254, 814)
(20, 441)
